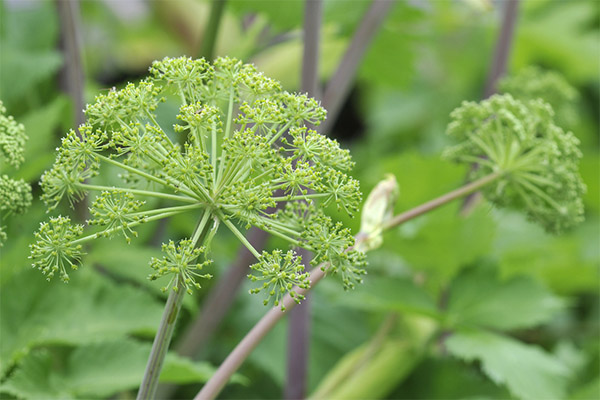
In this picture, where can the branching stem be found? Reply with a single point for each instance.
(167, 324)
(268, 321)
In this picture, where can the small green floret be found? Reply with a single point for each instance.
(116, 211)
(12, 139)
(15, 195)
(180, 260)
(279, 274)
(56, 248)
(534, 83)
(537, 160)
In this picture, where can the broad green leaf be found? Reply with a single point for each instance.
(131, 262)
(479, 298)
(35, 312)
(282, 15)
(527, 371)
(40, 126)
(396, 41)
(568, 263)
(32, 68)
(443, 242)
(379, 293)
(283, 61)
(100, 369)
(561, 34)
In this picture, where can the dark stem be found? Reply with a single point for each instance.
(221, 297)
(268, 321)
(71, 76)
(503, 47)
(497, 70)
(339, 86)
(435, 203)
(163, 336)
(299, 326)
(210, 35)
(161, 343)
(231, 281)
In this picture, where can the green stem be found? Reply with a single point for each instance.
(138, 191)
(210, 35)
(435, 203)
(226, 135)
(281, 132)
(301, 197)
(240, 236)
(233, 361)
(131, 225)
(144, 175)
(167, 326)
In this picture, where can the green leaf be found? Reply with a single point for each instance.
(131, 262)
(561, 34)
(41, 125)
(32, 68)
(379, 293)
(478, 298)
(527, 371)
(457, 241)
(35, 312)
(568, 264)
(100, 369)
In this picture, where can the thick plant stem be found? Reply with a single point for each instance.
(268, 321)
(195, 338)
(435, 203)
(497, 70)
(71, 76)
(339, 86)
(161, 343)
(503, 47)
(210, 35)
(298, 340)
(162, 340)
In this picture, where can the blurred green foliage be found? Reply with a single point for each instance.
(514, 310)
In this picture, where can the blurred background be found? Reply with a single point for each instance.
(90, 339)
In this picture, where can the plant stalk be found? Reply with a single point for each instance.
(167, 324)
(268, 321)
(298, 340)
(161, 343)
(210, 35)
(435, 203)
(339, 85)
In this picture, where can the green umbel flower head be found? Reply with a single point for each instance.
(534, 83)
(15, 195)
(57, 248)
(537, 160)
(236, 149)
(180, 261)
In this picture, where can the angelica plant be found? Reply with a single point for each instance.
(526, 162)
(15, 194)
(239, 149)
(535, 162)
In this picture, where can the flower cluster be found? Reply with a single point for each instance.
(279, 274)
(15, 194)
(238, 149)
(57, 248)
(534, 83)
(537, 160)
(180, 263)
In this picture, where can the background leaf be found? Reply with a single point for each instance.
(478, 298)
(528, 371)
